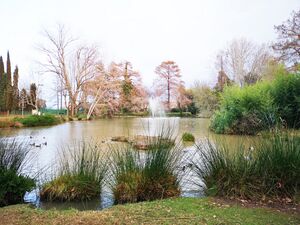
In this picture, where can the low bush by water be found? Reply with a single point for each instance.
(13, 184)
(39, 120)
(81, 170)
(269, 169)
(258, 107)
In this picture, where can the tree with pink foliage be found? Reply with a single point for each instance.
(168, 81)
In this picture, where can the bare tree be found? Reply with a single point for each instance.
(168, 80)
(288, 43)
(243, 60)
(73, 64)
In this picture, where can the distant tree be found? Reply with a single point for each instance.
(8, 88)
(15, 88)
(104, 90)
(74, 64)
(244, 61)
(288, 41)
(132, 93)
(206, 99)
(168, 80)
(2, 85)
(182, 97)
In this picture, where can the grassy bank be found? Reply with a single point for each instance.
(29, 121)
(171, 211)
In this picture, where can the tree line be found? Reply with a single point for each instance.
(9, 91)
(11, 98)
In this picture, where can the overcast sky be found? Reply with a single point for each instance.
(145, 32)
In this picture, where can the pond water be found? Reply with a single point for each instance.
(51, 139)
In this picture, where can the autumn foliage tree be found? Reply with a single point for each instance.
(168, 81)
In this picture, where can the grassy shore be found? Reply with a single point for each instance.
(171, 211)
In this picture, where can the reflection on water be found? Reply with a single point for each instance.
(102, 130)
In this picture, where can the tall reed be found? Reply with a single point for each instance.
(80, 172)
(269, 168)
(146, 175)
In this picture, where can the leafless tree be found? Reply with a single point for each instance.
(243, 60)
(288, 43)
(72, 63)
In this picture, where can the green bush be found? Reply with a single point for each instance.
(13, 184)
(145, 175)
(269, 168)
(13, 187)
(36, 120)
(188, 137)
(80, 173)
(245, 110)
(251, 109)
(285, 91)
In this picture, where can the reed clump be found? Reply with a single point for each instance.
(270, 168)
(81, 171)
(146, 175)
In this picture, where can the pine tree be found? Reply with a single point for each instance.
(16, 89)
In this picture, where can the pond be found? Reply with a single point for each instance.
(51, 139)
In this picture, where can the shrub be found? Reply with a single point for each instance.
(81, 171)
(254, 108)
(39, 120)
(285, 91)
(245, 110)
(188, 137)
(13, 184)
(148, 175)
(270, 168)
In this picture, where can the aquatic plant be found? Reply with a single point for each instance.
(269, 168)
(81, 170)
(14, 156)
(146, 175)
(188, 137)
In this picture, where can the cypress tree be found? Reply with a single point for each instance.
(9, 89)
(2, 102)
(16, 88)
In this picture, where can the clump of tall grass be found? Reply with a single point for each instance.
(14, 158)
(269, 168)
(146, 175)
(80, 173)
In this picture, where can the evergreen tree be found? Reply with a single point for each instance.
(2, 104)
(8, 90)
(16, 89)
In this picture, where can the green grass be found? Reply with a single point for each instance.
(269, 169)
(170, 211)
(80, 173)
(36, 120)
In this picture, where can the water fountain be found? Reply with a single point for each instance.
(156, 107)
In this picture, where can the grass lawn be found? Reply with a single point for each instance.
(171, 211)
